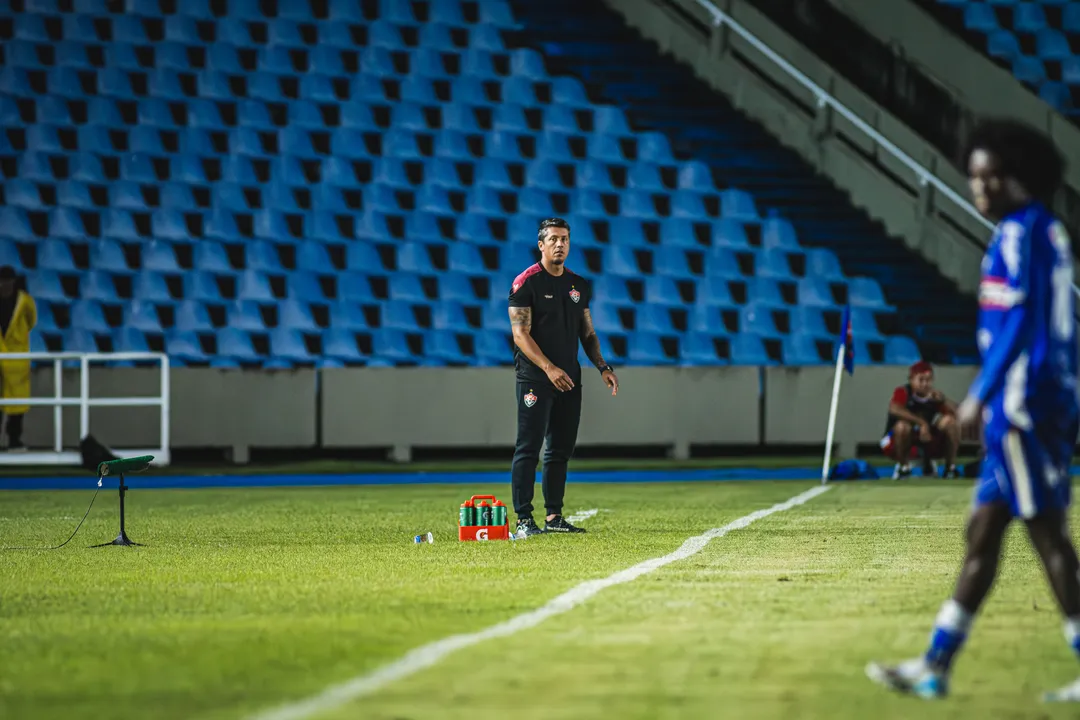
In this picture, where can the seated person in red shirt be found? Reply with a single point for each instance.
(921, 418)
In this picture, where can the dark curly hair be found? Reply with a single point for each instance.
(1022, 152)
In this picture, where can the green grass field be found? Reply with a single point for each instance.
(244, 600)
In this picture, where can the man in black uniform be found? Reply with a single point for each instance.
(549, 314)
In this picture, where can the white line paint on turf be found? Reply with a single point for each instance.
(427, 655)
(583, 515)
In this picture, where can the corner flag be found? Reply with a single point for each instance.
(845, 360)
(847, 341)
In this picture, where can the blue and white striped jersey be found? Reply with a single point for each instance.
(1027, 322)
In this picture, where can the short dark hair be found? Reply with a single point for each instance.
(1022, 152)
(554, 222)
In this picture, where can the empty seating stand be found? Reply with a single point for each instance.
(360, 186)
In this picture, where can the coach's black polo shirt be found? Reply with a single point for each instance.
(558, 305)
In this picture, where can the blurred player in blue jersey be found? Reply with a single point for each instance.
(1025, 391)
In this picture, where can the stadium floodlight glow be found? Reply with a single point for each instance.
(121, 467)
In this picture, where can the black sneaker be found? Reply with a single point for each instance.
(951, 473)
(559, 525)
(527, 527)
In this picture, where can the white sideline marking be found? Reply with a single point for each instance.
(582, 515)
(427, 655)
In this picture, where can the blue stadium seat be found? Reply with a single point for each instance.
(450, 316)
(55, 255)
(757, 319)
(652, 318)
(9, 254)
(495, 314)
(126, 195)
(823, 265)
(255, 286)
(720, 262)
(129, 339)
(529, 63)
(738, 205)
(773, 263)
(44, 285)
(46, 322)
(605, 317)
(107, 256)
(493, 347)
(340, 343)
(304, 286)
(535, 202)
(23, 193)
(88, 315)
(1070, 18)
(443, 345)
(612, 289)
(594, 176)
(980, 18)
(347, 315)
(673, 262)
(765, 291)
(389, 344)
(151, 287)
(74, 194)
(522, 91)
(79, 340)
(714, 291)
(235, 343)
(645, 348)
(864, 325)
(814, 292)
(93, 285)
(296, 315)
(865, 292)
(620, 260)
(801, 349)
(159, 256)
(201, 286)
(570, 92)
(502, 145)
(384, 34)
(900, 350)
(728, 233)
(699, 348)
(407, 287)
(1003, 44)
(1052, 45)
(15, 224)
(362, 257)
(484, 201)
(244, 315)
(192, 316)
(645, 176)
(808, 321)
(185, 346)
(749, 350)
(605, 148)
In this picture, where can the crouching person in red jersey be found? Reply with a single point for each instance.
(921, 420)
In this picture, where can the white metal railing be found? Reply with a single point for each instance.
(84, 402)
(824, 99)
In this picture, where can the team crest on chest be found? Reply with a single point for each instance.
(575, 295)
(530, 399)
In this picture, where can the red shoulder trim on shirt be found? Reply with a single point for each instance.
(525, 275)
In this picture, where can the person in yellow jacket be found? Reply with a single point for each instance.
(18, 316)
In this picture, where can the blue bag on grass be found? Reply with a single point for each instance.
(853, 470)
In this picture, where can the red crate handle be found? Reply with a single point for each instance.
(474, 498)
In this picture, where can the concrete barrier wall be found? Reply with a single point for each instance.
(402, 409)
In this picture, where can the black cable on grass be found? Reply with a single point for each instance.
(57, 547)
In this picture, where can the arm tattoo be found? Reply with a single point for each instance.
(591, 341)
(522, 317)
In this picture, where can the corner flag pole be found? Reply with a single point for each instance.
(832, 412)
